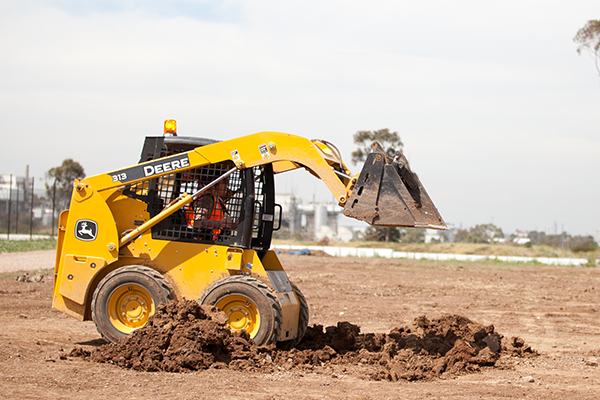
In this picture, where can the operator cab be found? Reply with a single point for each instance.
(247, 198)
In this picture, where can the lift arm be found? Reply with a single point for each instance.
(386, 192)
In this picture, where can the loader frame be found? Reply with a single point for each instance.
(133, 218)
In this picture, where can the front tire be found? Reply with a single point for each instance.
(249, 304)
(126, 298)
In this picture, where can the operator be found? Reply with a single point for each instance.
(210, 212)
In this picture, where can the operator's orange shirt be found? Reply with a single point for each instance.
(217, 214)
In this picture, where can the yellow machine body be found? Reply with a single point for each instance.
(121, 225)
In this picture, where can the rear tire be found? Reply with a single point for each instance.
(249, 304)
(302, 321)
(126, 298)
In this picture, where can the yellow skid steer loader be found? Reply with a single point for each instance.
(194, 219)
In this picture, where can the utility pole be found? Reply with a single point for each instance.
(9, 201)
(31, 211)
(53, 204)
(17, 220)
(25, 184)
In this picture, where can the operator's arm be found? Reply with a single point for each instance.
(209, 215)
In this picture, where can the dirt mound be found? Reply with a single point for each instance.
(319, 253)
(184, 336)
(181, 335)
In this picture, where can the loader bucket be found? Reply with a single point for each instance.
(388, 193)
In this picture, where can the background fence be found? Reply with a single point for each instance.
(26, 209)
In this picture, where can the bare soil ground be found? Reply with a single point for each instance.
(554, 309)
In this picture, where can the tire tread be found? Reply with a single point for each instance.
(148, 272)
(264, 289)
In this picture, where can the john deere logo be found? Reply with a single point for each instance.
(86, 230)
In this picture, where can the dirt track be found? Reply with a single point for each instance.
(31, 261)
(555, 310)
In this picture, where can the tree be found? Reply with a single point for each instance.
(414, 235)
(484, 233)
(64, 176)
(564, 241)
(541, 239)
(579, 244)
(588, 39)
(390, 141)
(380, 234)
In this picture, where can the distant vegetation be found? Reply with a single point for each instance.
(59, 182)
(463, 241)
(576, 244)
(484, 233)
(16, 246)
(495, 249)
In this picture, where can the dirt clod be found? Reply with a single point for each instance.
(37, 278)
(184, 336)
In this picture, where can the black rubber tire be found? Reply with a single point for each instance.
(257, 296)
(302, 321)
(149, 283)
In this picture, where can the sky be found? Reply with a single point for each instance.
(497, 111)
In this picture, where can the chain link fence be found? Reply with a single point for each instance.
(26, 209)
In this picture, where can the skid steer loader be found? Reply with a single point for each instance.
(194, 219)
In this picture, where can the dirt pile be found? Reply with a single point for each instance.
(183, 336)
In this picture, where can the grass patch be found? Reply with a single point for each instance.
(19, 246)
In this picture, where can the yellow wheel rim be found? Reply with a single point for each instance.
(242, 313)
(129, 307)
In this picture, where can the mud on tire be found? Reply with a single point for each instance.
(126, 298)
(249, 304)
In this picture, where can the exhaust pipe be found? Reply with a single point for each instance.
(388, 193)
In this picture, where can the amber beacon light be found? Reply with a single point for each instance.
(170, 127)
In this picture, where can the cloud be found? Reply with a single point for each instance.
(492, 101)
